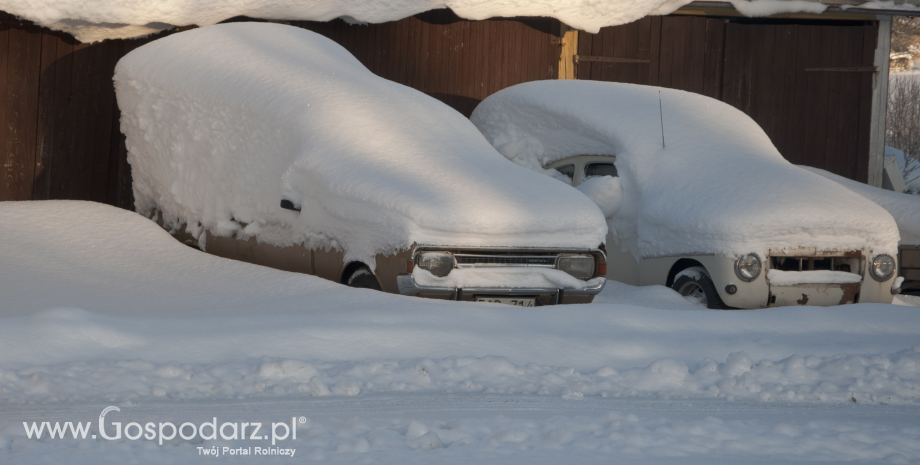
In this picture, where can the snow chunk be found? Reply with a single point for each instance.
(718, 187)
(787, 278)
(605, 192)
(771, 7)
(224, 122)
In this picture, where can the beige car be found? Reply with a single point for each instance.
(394, 273)
(299, 158)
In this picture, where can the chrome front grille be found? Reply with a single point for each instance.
(472, 261)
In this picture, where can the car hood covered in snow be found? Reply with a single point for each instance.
(224, 121)
(713, 183)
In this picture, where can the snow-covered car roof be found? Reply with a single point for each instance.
(713, 183)
(224, 121)
(905, 208)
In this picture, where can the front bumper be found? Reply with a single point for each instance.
(408, 286)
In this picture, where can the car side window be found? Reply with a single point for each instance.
(568, 170)
(593, 170)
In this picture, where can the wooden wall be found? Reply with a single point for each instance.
(59, 129)
(60, 137)
(809, 85)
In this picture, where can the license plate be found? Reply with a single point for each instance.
(516, 301)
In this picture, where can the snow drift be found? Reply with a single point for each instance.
(224, 122)
(714, 184)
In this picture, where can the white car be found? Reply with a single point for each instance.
(696, 196)
(274, 145)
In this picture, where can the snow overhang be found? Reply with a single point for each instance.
(96, 20)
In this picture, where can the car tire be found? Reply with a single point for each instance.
(363, 278)
(695, 282)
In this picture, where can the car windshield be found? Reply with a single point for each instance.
(593, 170)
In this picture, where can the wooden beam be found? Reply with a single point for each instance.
(568, 53)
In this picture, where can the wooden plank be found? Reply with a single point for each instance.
(467, 65)
(832, 153)
(643, 49)
(714, 57)
(763, 93)
(694, 55)
(796, 147)
(868, 46)
(585, 42)
(496, 43)
(23, 68)
(654, 51)
(666, 55)
(45, 129)
(848, 119)
(105, 101)
(823, 86)
(77, 168)
(483, 31)
(614, 46)
(784, 82)
(61, 121)
(630, 72)
(6, 23)
(678, 46)
(731, 76)
(597, 49)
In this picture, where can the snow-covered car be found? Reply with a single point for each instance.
(696, 196)
(905, 208)
(274, 145)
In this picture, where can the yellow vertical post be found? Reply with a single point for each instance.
(569, 50)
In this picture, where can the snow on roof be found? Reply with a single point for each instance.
(94, 20)
(719, 186)
(223, 122)
(905, 208)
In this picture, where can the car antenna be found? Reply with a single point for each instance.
(661, 115)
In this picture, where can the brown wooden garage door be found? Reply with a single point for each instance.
(808, 84)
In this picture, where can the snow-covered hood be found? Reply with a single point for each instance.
(905, 208)
(718, 185)
(224, 121)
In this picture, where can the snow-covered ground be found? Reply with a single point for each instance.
(101, 307)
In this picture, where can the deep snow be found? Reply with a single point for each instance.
(102, 307)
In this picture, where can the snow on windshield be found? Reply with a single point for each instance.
(711, 183)
(223, 122)
(93, 20)
(905, 208)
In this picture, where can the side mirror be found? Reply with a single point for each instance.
(605, 191)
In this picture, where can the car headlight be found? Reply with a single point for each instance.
(438, 264)
(748, 267)
(882, 267)
(579, 266)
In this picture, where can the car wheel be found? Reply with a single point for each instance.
(364, 278)
(695, 284)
